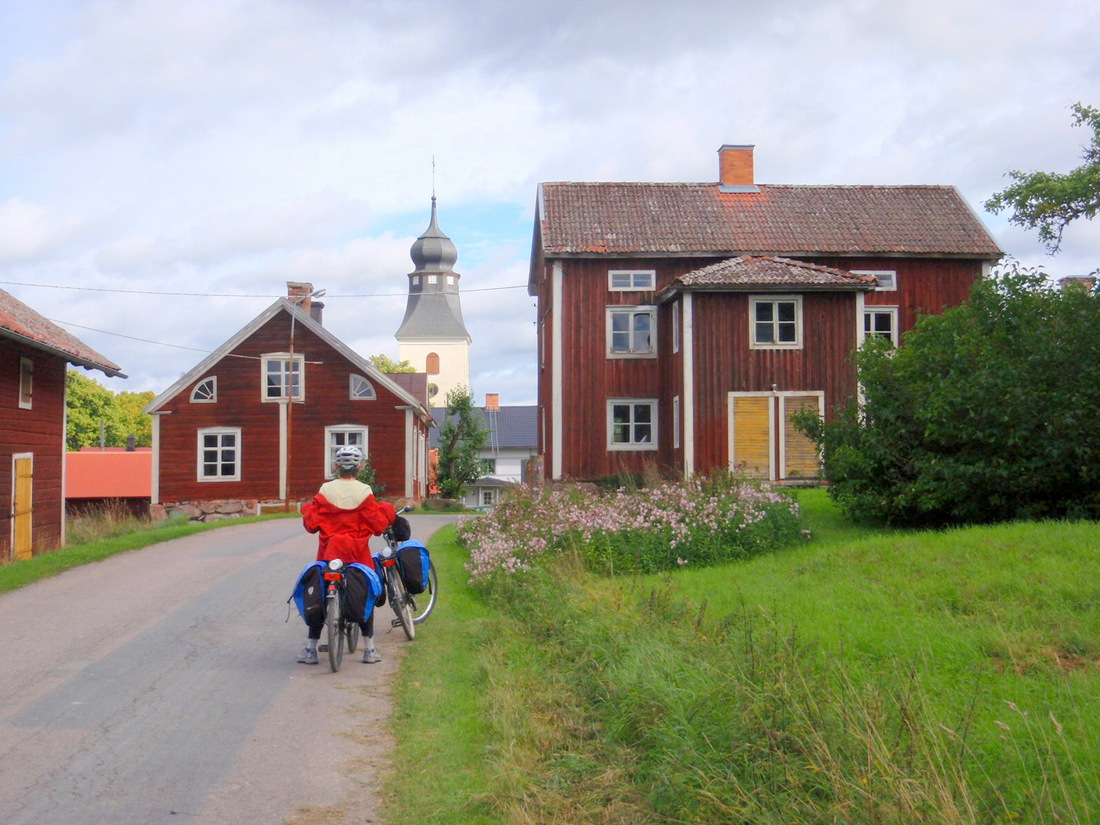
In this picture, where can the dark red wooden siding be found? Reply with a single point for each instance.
(240, 405)
(39, 430)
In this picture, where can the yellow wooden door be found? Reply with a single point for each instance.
(21, 509)
(800, 456)
(751, 444)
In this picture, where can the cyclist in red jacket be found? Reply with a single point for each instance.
(346, 514)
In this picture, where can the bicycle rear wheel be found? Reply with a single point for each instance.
(352, 632)
(335, 632)
(424, 603)
(399, 601)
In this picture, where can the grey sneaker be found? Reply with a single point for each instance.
(308, 656)
(371, 656)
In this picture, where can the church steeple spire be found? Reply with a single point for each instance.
(432, 336)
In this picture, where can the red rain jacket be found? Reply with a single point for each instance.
(344, 533)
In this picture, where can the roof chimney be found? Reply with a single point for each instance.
(298, 293)
(735, 169)
(492, 401)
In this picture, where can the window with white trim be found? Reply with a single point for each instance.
(631, 331)
(676, 422)
(206, 391)
(219, 454)
(676, 326)
(775, 321)
(887, 278)
(632, 424)
(881, 322)
(631, 280)
(360, 389)
(344, 435)
(26, 383)
(282, 377)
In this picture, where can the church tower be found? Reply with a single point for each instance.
(432, 336)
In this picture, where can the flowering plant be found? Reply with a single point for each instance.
(699, 521)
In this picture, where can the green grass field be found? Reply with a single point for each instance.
(868, 676)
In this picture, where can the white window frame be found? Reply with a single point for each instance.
(360, 388)
(676, 422)
(887, 278)
(868, 311)
(283, 358)
(632, 311)
(774, 300)
(636, 280)
(634, 404)
(26, 383)
(676, 327)
(334, 443)
(211, 396)
(200, 457)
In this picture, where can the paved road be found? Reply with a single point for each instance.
(160, 686)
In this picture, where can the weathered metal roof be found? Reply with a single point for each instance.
(770, 272)
(19, 322)
(700, 219)
(516, 426)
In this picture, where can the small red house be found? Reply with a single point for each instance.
(257, 422)
(682, 324)
(34, 356)
(96, 477)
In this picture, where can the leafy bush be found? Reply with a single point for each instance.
(702, 521)
(986, 413)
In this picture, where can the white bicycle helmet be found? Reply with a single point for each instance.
(349, 457)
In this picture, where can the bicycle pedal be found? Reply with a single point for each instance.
(395, 623)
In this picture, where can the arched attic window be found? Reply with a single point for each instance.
(206, 391)
(360, 389)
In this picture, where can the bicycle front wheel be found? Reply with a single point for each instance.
(335, 633)
(424, 603)
(352, 631)
(399, 601)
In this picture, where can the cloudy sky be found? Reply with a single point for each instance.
(166, 166)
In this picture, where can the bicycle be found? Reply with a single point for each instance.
(411, 609)
(338, 626)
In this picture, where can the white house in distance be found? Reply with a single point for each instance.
(509, 447)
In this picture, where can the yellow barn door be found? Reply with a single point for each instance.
(752, 442)
(763, 441)
(21, 509)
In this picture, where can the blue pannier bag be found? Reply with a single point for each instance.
(363, 588)
(309, 593)
(414, 564)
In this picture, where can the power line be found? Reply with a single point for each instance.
(116, 291)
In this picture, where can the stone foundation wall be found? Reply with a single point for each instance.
(215, 510)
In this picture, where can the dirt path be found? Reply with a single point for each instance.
(160, 686)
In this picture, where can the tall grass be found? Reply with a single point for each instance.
(873, 677)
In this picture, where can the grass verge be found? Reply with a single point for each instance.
(867, 677)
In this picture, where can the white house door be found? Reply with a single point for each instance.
(763, 442)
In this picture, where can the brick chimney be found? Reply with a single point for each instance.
(735, 169)
(492, 401)
(298, 293)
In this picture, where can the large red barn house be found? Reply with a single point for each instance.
(682, 324)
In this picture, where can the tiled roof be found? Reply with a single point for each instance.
(782, 273)
(698, 218)
(516, 427)
(21, 323)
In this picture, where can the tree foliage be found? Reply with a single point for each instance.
(384, 364)
(1050, 201)
(461, 439)
(986, 413)
(95, 413)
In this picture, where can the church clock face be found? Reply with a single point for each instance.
(433, 390)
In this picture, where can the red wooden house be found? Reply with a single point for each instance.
(257, 422)
(681, 324)
(34, 356)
